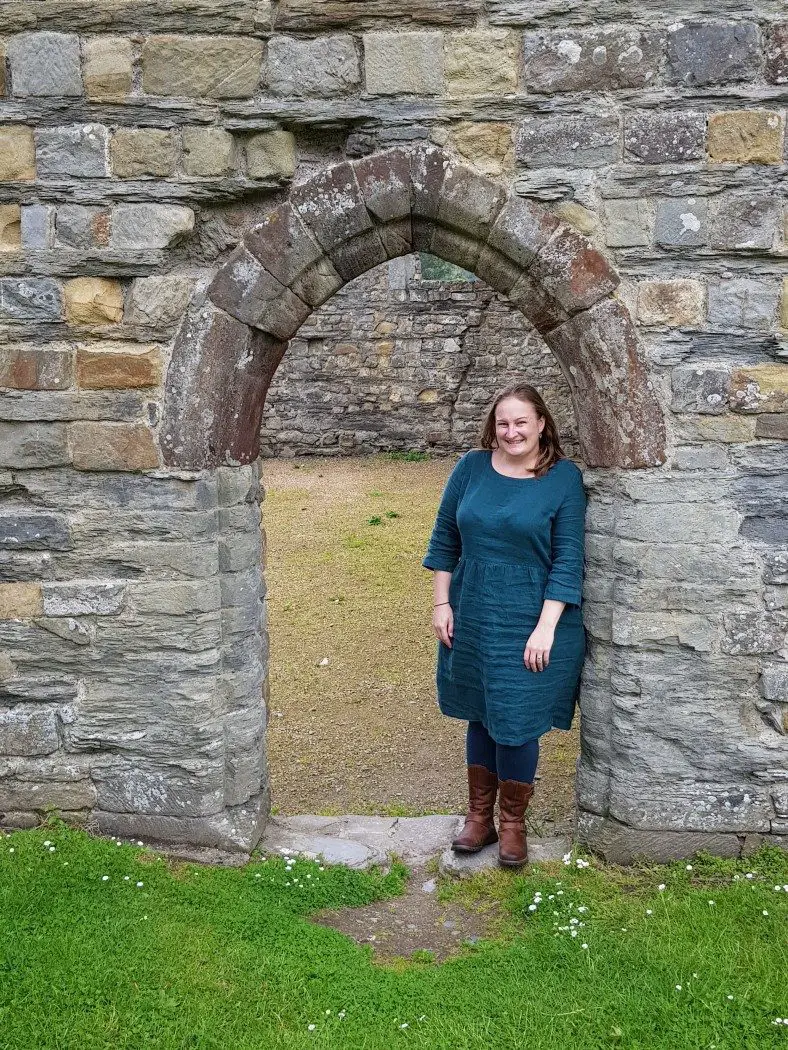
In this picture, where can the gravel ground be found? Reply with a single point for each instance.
(354, 725)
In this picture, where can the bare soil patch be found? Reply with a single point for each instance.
(354, 724)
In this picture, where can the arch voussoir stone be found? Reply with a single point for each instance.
(621, 423)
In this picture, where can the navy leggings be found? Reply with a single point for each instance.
(510, 763)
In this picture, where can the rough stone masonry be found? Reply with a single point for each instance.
(183, 184)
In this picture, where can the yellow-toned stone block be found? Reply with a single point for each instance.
(784, 303)
(746, 136)
(107, 67)
(481, 62)
(17, 153)
(20, 601)
(760, 388)
(118, 366)
(673, 303)
(93, 301)
(142, 151)
(10, 227)
(271, 154)
(488, 146)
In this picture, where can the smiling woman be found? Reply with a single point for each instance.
(507, 553)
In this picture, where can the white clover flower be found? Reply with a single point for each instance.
(51, 849)
(47, 842)
(531, 907)
(573, 933)
(311, 1027)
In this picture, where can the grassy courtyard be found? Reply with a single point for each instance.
(106, 945)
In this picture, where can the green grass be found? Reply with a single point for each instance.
(226, 958)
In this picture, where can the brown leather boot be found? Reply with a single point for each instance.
(479, 829)
(513, 799)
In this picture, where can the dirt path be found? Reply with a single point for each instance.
(361, 733)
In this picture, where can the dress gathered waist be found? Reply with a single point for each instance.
(529, 569)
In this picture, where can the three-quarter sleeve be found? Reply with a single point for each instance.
(445, 546)
(565, 580)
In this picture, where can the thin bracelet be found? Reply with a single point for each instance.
(441, 603)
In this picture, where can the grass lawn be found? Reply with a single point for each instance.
(108, 945)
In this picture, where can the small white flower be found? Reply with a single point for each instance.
(139, 843)
(140, 884)
(11, 849)
(712, 903)
(405, 1025)
(583, 945)
(573, 933)
(661, 886)
(327, 1012)
(47, 842)
(689, 867)
(764, 912)
(341, 1014)
(51, 849)
(582, 908)
(310, 1027)
(730, 997)
(105, 878)
(678, 987)
(749, 875)
(531, 907)
(649, 911)
(126, 878)
(694, 975)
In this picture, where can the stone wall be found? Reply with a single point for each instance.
(394, 361)
(141, 142)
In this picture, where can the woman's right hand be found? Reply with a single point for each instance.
(443, 624)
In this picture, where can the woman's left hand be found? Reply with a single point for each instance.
(538, 646)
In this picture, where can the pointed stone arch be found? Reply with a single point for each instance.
(354, 216)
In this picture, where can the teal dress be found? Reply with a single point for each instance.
(509, 543)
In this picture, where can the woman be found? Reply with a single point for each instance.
(507, 554)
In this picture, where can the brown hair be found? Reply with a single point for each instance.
(550, 450)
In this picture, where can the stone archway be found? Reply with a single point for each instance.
(356, 215)
(335, 227)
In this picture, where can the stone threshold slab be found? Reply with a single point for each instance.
(361, 842)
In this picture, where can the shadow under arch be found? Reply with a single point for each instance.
(354, 216)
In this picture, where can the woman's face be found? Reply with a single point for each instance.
(517, 427)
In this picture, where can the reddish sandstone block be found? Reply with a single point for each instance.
(35, 367)
(121, 366)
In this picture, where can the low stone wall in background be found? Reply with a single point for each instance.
(394, 361)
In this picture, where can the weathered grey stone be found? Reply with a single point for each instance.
(702, 389)
(591, 60)
(681, 303)
(217, 67)
(521, 230)
(142, 787)
(662, 138)
(73, 790)
(774, 682)
(82, 226)
(404, 63)
(150, 225)
(247, 291)
(572, 272)
(157, 302)
(320, 68)
(745, 221)
(79, 632)
(681, 221)
(122, 406)
(45, 64)
(30, 299)
(176, 599)
(704, 53)
(547, 142)
(743, 302)
(79, 151)
(628, 223)
(772, 426)
(208, 151)
(332, 207)
(271, 155)
(84, 598)
(776, 567)
(37, 225)
(34, 532)
(469, 203)
(750, 634)
(28, 730)
(33, 445)
(697, 523)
